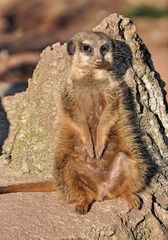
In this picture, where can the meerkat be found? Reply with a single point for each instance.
(94, 110)
(99, 151)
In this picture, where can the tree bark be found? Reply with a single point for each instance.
(33, 130)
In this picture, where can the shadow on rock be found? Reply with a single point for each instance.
(122, 58)
(4, 126)
(122, 61)
(16, 88)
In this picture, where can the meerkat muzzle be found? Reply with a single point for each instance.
(98, 62)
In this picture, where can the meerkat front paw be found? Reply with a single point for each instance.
(87, 142)
(100, 143)
(100, 146)
(99, 150)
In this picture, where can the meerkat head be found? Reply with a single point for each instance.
(91, 50)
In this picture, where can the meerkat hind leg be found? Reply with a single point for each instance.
(122, 180)
(86, 193)
(83, 206)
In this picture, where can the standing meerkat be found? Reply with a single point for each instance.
(99, 151)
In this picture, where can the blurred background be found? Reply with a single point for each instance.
(27, 27)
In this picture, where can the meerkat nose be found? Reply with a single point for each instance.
(98, 62)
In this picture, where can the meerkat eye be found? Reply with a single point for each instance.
(86, 48)
(104, 49)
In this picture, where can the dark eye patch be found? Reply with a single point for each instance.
(104, 49)
(86, 48)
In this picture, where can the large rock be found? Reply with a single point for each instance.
(30, 144)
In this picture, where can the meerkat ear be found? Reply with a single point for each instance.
(71, 48)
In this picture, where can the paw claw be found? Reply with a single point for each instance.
(133, 201)
(81, 209)
(99, 151)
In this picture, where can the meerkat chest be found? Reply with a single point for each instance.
(90, 102)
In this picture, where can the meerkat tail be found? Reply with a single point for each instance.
(47, 186)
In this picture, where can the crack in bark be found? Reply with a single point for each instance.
(121, 29)
(13, 143)
(138, 98)
(162, 129)
(154, 144)
(163, 227)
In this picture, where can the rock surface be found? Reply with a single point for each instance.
(31, 142)
(40, 216)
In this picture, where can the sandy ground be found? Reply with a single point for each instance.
(34, 216)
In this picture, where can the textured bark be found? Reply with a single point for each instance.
(33, 131)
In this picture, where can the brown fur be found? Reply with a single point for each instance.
(47, 186)
(97, 155)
